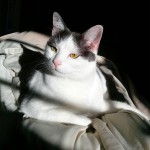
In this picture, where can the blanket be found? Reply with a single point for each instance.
(121, 130)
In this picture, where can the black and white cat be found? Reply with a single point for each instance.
(74, 89)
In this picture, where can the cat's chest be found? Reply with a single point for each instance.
(67, 90)
(78, 93)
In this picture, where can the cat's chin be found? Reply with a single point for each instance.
(62, 74)
(60, 71)
(57, 72)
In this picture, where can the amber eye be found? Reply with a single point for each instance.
(53, 49)
(74, 56)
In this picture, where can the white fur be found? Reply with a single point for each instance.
(66, 98)
(74, 91)
(71, 68)
(74, 88)
(69, 101)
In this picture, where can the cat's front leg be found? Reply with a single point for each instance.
(38, 110)
(64, 116)
(59, 115)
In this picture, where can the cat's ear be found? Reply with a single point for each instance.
(58, 24)
(91, 38)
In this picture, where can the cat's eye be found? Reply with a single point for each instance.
(54, 49)
(74, 56)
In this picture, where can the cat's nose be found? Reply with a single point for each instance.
(57, 62)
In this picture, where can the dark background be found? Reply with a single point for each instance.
(126, 29)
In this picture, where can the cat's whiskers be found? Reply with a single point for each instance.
(41, 65)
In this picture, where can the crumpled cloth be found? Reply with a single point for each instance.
(121, 130)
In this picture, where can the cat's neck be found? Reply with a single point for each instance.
(96, 78)
(86, 79)
(88, 92)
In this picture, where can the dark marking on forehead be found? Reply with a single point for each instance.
(54, 40)
(90, 56)
(77, 38)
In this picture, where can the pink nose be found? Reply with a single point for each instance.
(57, 62)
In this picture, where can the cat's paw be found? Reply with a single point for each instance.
(11, 107)
(84, 121)
(25, 116)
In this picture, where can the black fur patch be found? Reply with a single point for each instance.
(89, 55)
(84, 52)
(59, 37)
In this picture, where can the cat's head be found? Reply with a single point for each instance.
(71, 54)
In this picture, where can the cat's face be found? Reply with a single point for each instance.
(66, 58)
(71, 54)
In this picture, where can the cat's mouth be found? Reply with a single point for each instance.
(53, 67)
(56, 69)
(60, 70)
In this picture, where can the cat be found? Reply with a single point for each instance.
(74, 90)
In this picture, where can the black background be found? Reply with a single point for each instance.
(126, 28)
